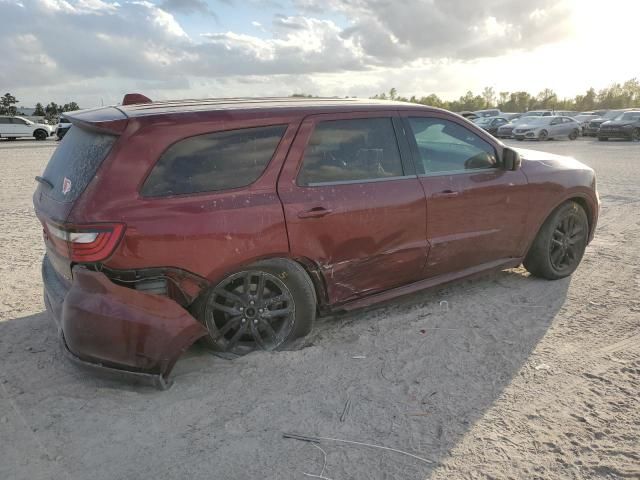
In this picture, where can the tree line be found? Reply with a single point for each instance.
(617, 95)
(52, 111)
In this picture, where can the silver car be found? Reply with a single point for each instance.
(545, 128)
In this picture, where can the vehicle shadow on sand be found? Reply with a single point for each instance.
(413, 375)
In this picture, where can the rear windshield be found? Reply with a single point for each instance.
(75, 162)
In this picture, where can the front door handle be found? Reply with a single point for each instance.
(446, 194)
(315, 212)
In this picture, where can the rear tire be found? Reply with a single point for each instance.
(602, 139)
(635, 135)
(40, 135)
(559, 246)
(264, 306)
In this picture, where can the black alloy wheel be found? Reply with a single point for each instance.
(248, 310)
(560, 244)
(567, 242)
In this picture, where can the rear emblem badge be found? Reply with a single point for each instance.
(66, 186)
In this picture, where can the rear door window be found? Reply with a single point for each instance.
(214, 161)
(75, 162)
(353, 150)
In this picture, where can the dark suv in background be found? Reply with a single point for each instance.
(593, 126)
(237, 221)
(626, 125)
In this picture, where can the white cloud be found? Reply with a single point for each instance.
(85, 50)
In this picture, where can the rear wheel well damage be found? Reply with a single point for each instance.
(179, 285)
(196, 307)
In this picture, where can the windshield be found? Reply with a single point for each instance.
(538, 120)
(483, 120)
(519, 120)
(611, 114)
(629, 116)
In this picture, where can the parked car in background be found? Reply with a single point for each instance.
(490, 112)
(625, 125)
(491, 124)
(469, 115)
(591, 129)
(583, 119)
(547, 128)
(538, 113)
(18, 127)
(565, 113)
(511, 116)
(239, 219)
(62, 128)
(506, 131)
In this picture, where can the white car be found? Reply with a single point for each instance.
(15, 127)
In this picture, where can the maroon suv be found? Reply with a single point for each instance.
(238, 220)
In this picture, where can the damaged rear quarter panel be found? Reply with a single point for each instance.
(123, 328)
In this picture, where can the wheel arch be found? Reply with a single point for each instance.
(581, 200)
(310, 267)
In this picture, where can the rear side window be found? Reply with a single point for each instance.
(215, 161)
(75, 162)
(351, 151)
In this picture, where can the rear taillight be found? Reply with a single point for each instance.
(85, 243)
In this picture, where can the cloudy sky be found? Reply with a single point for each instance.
(94, 51)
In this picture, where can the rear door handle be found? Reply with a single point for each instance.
(315, 212)
(446, 194)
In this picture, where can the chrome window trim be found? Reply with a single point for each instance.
(352, 182)
(458, 172)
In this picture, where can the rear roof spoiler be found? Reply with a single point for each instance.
(110, 120)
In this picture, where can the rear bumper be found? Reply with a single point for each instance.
(118, 331)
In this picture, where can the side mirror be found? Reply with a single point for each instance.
(510, 159)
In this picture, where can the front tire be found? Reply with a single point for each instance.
(262, 307)
(559, 246)
(543, 135)
(573, 135)
(602, 139)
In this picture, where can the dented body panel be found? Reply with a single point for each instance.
(117, 327)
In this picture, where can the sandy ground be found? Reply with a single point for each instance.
(505, 376)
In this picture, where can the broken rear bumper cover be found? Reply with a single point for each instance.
(116, 330)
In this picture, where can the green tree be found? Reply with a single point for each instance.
(70, 107)
(616, 95)
(39, 110)
(503, 98)
(489, 96)
(8, 104)
(546, 99)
